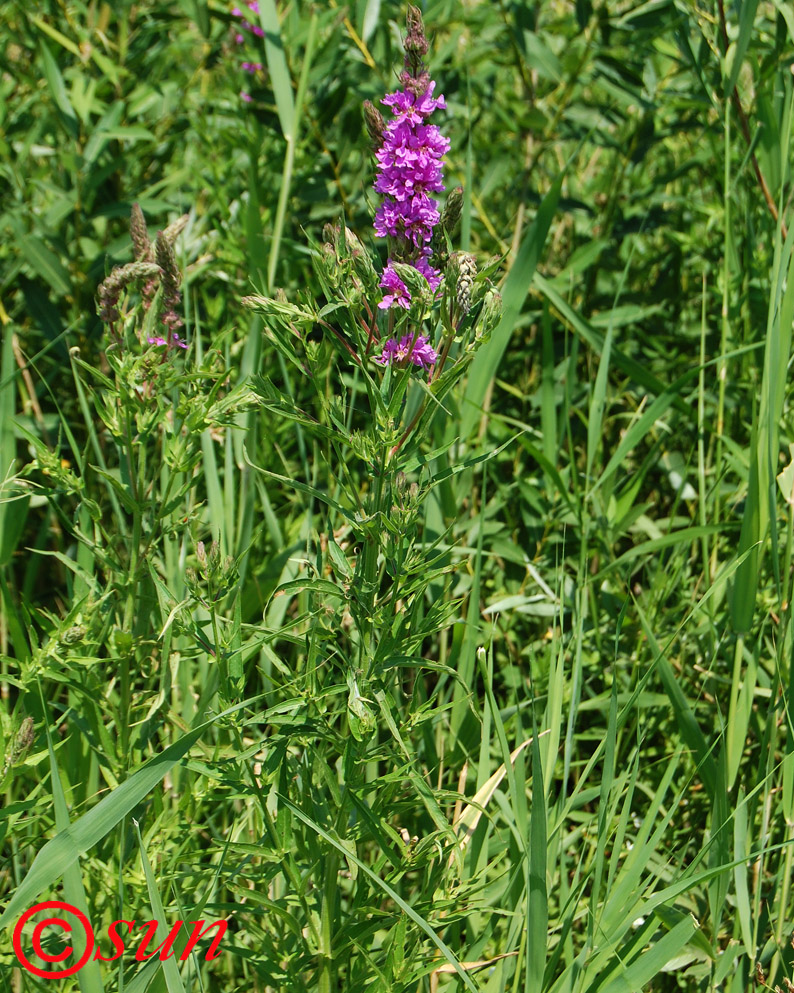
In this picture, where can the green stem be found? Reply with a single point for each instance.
(371, 552)
(327, 983)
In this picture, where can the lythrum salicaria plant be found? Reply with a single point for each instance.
(380, 349)
(154, 398)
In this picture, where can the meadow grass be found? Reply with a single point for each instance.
(484, 684)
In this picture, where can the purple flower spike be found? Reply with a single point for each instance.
(409, 162)
(417, 350)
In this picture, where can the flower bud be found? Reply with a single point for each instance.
(170, 280)
(122, 276)
(467, 270)
(175, 228)
(418, 287)
(415, 42)
(25, 737)
(450, 215)
(140, 236)
(490, 315)
(375, 124)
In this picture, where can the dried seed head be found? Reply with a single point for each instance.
(141, 245)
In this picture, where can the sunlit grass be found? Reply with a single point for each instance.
(559, 757)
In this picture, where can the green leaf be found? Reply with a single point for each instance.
(277, 66)
(515, 291)
(56, 84)
(45, 263)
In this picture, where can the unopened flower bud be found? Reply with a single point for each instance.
(490, 315)
(415, 78)
(26, 735)
(375, 124)
(415, 39)
(141, 245)
(467, 270)
(170, 280)
(175, 228)
(447, 226)
(122, 276)
(450, 215)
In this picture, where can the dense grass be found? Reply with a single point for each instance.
(526, 726)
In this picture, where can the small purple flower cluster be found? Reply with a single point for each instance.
(246, 25)
(416, 348)
(255, 29)
(177, 341)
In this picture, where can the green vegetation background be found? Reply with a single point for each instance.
(624, 561)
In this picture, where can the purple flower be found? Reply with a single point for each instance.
(433, 276)
(399, 292)
(418, 350)
(175, 341)
(409, 170)
(246, 25)
(407, 106)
